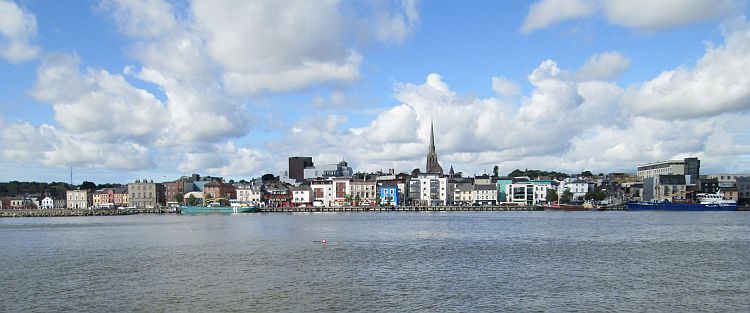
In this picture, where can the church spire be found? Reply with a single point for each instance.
(432, 162)
(432, 139)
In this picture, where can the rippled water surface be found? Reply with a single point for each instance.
(404, 262)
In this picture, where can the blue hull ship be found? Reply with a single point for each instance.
(670, 206)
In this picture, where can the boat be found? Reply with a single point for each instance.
(674, 206)
(567, 207)
(215, 208)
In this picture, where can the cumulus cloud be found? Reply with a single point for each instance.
(604, 66)
(717, 83)
(505, 87)
(57, 148)
(96, 102)
(642, 15)
(396, 25)
(17, 29)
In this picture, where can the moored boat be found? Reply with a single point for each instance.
(672, 206)
(567, 207)
(189, 209)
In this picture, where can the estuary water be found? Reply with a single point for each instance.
(379, 262)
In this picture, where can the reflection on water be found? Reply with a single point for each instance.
(457, 261)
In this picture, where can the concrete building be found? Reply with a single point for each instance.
(520, 193)
(297, 166)
(686, 166)
(726, 180)
(428, 189)
(341, 191)
(322, 192)
(578, 187)
(146, 194)
(340, 169)
(47, 203)
(79, 199)
(672, 188)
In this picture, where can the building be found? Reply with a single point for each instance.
(687, 166)
(389, 194)
(47, 203)
(340, 169)
(248, 193)
(731, 194)
(218, 189)
(341, 192)
(743, 190)
(302, 196)
(79, 199)
(484, 194)
(278, 196)
(708, 185)
(502, 189)
(297, 167)
(520, 193)
(672, 188)
(363, 192)
(726, 180)
(433, 166)
(322, 192)
(428, 189)
(578, 187)
(146, 194)
(463, 194)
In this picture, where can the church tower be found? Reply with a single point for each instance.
(432, 162)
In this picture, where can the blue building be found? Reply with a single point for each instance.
(388, 193)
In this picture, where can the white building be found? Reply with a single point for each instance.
(577, 187)
(47, 203)
(670, 167)
(322, 192)
(247, 193)
(302, 195)
(726, 180)
(484, 194)
(428, 189)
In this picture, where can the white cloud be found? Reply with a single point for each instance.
(57, 148)
(548, 12)
(604, 66)
(717, 84)
(17, 28)
(96, 102)
(663, 14)
(505, 87)
(645, 15)
(396, 25)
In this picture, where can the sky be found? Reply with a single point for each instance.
(157, 89)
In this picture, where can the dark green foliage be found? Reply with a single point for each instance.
(551, 195)
(268, 177)
(537, 173)
(566, 197)
(87, 185)
(16, 188)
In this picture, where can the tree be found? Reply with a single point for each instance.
(268, 177)
(551, 195)
(495, 170)
(192, 200)
(88, 185)
(179, 197)
(458, 174)
(415, 172)
(587, 174)
(566, 196)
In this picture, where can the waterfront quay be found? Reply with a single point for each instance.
(484, 208)
(61, 212)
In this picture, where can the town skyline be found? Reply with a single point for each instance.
(121, 91)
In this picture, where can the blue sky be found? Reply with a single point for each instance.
(130, 89)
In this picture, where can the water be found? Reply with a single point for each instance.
(379, 262)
